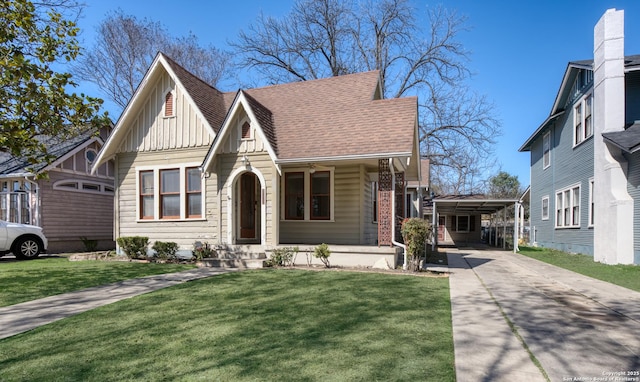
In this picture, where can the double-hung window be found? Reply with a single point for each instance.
(308, 195)
(545, 208)
(583, 119)
(173, 193)
(568, 207)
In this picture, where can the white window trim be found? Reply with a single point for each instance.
(547, 135)
(591, 203)
(583, 103)
(307, 194)
(103, 188)
(251, 130)
(543, 217)
(156, 192)
(468, 223)
(90, 163)
(571, 206)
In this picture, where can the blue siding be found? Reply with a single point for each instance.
(569, 166)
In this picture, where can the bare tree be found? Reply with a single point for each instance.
(321, 38)
(126, 46)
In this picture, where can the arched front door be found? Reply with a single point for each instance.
(248, 208)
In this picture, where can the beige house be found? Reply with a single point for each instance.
(322, 161)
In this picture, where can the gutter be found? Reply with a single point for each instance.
(393, 216)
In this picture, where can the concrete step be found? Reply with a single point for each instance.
(232, 263)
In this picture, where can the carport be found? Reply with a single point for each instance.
(477, 205)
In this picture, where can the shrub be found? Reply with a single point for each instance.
(203, 251)
(165, 250)
(282, 257)
(89, 244)
(415, 232)
(135, 247)
(322, 252)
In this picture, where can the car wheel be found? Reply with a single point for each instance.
(27, 248)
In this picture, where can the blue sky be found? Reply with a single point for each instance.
(519, 48)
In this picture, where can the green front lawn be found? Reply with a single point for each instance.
(22, 281)
(265, 325)
(627, 276)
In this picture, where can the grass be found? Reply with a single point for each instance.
(627, 276)
(47, 276)
(262, 325)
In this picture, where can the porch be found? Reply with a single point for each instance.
(353, 256)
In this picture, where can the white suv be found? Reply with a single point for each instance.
(24, 241)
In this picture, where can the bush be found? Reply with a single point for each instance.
(203, 251)
(415, 232)
(89, 244)
(283, 257)
(135, 247)
(165, 250)
(322, 252)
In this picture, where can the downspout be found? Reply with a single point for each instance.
(393, 216)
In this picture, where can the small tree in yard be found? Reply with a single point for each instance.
(135, 247)
(323, 252)
(415, 232)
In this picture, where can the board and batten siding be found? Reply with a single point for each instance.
(68, 215)
(569, 166)
(345, 227)
(152, 131)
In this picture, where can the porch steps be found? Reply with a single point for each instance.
(237, 256)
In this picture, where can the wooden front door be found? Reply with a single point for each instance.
(442, 222)
(248, 206)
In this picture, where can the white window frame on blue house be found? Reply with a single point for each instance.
(568, 207)
(545, 203)
(583, 119)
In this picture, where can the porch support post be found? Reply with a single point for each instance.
(434, 226)
(385, 203)
(516, 226)
(504, 228)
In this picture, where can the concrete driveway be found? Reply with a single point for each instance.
(510, 312)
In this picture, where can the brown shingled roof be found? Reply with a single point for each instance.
(331, 117)
(337, 116)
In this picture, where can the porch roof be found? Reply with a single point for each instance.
(470, 204)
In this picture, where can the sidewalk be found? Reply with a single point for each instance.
(15, 319)
(575, 326)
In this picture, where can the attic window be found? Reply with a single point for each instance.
(168, 105)
(246, 130)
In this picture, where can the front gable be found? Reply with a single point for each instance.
(165, 120)
(243, 132)
(162, 114)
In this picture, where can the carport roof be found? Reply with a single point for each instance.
(470, 204)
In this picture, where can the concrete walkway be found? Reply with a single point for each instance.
(15, 319)
(578, 328)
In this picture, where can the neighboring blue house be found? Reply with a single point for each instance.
(585, 157)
